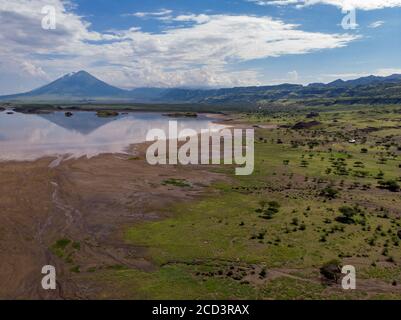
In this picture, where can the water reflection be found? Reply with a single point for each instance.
(29, 137)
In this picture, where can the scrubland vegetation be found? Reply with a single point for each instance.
(328, 192)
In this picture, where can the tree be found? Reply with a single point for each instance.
(348, 215)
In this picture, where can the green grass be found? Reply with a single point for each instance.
(230, 227)
(65, 249)
(176, 182)
(178, 282)
(75, 269)
(76, 245)
(58, 248)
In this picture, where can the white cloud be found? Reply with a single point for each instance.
(343, 4)
(161, 13)
(376, 24)
(201, 18)
(33, 70)
(201, 53)
(384, 72)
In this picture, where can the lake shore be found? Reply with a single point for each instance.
(43, 108)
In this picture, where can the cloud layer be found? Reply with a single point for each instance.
(343, 4)
(193, 50)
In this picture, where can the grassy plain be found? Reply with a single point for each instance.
(315, 195)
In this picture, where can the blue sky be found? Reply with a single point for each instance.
(206, 43)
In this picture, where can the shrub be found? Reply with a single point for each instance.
(269, 212)
(176, 182)
(329, 192)
(331, 270)
(274, 204)
(62, 243)
(348, 215)
(390, 185)
(304, 163)
(76, 245)
(75, 269)
(59, 246)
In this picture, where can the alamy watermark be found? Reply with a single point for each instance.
(204, 147)
(49, 20)
(49, 280)
(348, 282)
(349, 20)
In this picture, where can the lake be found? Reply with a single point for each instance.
(32, 136)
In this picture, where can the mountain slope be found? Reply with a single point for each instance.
(81, 84)
(375, 90)
(366, 81)
(77, 85)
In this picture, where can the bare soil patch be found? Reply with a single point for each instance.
(85, 204)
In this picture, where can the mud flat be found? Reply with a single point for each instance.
(73, 216)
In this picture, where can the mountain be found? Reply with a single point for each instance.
(73, 86)
(366, 90)
(229, 95)
(147, 94)
(337, 83)
(83, 87)
(366, 81)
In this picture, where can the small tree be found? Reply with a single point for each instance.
(348, 215)
(331, 271)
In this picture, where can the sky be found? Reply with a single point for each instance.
(197, 44)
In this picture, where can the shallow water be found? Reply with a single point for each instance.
(32, 136)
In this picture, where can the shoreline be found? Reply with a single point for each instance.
(32, 108)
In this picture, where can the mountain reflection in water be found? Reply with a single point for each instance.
(31, 136)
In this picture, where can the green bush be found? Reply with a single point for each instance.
(348, 215)
(390, 185)
(329, 192)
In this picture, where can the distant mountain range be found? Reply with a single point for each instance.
(83, 87)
